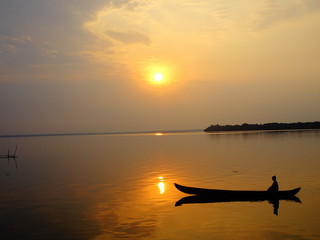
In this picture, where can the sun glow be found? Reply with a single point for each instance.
(157, 74)
(158, 77)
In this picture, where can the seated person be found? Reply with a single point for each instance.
(274, 187)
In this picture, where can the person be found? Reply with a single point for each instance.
(274, 187)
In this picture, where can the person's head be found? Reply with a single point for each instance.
(274, 178)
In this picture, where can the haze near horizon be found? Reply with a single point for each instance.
(136, 65)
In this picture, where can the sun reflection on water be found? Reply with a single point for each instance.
(158, 134)
(161, 185)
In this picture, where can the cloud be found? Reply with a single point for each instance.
(129, 37)
(13, 44)
(70, 34)
(39, 39)
(277, 12)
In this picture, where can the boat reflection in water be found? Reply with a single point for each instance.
(161, 185)
(211, 199)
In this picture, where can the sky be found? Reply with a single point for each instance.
(89, 66)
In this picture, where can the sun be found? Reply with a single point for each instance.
(158, 77)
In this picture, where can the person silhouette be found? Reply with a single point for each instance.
(274, 187)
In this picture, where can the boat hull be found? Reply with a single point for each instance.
(235, 193)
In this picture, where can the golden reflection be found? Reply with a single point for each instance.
(161, 185)
(158, 134)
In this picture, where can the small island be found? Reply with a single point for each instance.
(265, 126)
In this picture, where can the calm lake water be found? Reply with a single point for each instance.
(121, 186)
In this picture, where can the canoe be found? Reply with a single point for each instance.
(237, 193)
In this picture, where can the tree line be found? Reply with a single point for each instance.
(265, 126)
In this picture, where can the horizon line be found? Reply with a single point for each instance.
(95, 133)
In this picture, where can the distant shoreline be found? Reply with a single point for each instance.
(265, 126)
(212, 128)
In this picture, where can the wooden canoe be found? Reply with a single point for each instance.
(237, 193)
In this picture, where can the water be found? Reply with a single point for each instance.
(121, 186)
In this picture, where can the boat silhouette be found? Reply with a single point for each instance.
(202, 195)
(237, 193)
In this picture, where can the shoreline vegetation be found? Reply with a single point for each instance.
(265, 126)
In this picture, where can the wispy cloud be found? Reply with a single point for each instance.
(277, 12)
(130, 37)
(13, 44)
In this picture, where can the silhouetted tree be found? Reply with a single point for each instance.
(265, 126)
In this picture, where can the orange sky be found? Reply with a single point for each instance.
(78, 66)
